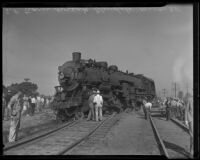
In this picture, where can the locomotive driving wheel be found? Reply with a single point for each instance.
(60, 116)
(79, 115)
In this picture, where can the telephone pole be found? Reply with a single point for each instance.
(164, 92)
(187, 87)
(175, 88)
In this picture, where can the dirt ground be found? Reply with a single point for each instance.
(132, 135)
(32, 124)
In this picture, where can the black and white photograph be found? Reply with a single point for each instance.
(98, 81)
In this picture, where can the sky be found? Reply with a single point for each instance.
(156, 42)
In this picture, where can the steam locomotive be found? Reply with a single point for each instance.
(77, 78)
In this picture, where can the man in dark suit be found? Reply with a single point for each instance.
(167, 104)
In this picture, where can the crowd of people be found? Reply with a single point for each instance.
(20, 105)
(177, 108)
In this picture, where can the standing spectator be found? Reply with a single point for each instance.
(38, 103)
(3, 105)
(167, 104)
(7, 111)
(147, 108)
(180, 105)
(29, 106)
(143, 107)
(42, 103)
(15, 105)
(189, 122)
(174, 103)
(47, 103)
(91, 106)
(33, 104)
(98, 102)
(25, 105)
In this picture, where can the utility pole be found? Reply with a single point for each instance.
(187, 87)
(175, 89)
(164, 91)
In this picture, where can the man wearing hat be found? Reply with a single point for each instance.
(15, 106)
(91, 106)
(98, 102)
(168, 112)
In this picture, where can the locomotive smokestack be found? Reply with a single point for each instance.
(76, 56)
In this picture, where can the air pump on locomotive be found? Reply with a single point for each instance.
(120, 90)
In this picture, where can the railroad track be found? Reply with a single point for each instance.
(34, 137)
(86, 143)
(160, 142)
(63, 139)
(171, 139)
(178, 123)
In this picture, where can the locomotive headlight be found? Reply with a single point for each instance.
(61, 75)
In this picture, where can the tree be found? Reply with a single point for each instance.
(180, 94)
(26, 79)
(27, 88)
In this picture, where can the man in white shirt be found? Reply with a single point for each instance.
(98, 103)
(33, 104)
(38, 103)
(147, 108)
(25, 105)
(47, 102)
(42, 103)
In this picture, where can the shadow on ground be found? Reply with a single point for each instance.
(176, 148)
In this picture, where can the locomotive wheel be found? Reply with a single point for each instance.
(60, 117)
(127, 110)
(79, 115)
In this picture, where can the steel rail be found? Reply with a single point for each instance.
(159, 139)
(178, 123)
(36, 137)
(72, 146)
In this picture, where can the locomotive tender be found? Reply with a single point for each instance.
(120, 90)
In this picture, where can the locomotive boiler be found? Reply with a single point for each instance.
(120, 90)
